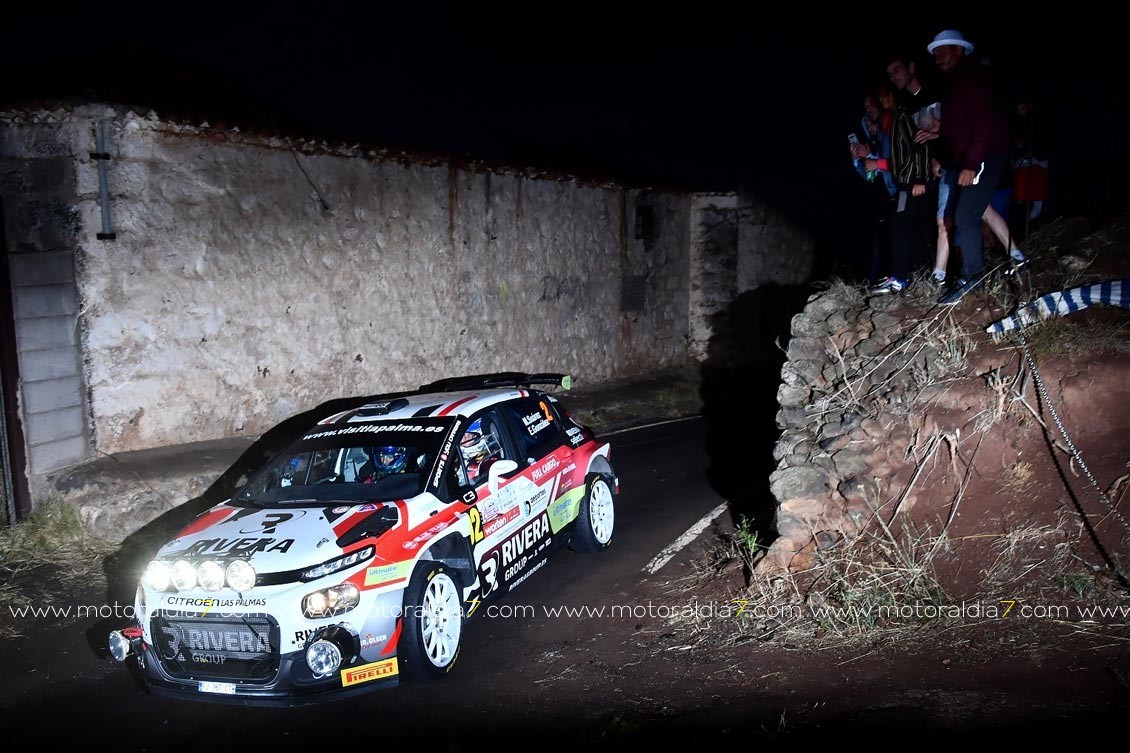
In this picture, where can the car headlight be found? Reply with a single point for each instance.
(184, 575)
(241, 575)
(339, 563)
(210, 575)
(157, 575)
(330, 601)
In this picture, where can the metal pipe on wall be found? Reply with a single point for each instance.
(8, 491)
(103, 157)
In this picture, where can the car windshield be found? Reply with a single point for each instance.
(370, 462)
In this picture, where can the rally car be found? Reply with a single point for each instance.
(358, 553)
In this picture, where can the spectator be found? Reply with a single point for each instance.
(976, 132)
(1030, 160)
(921, 103)
(909, 166)
(879, 189)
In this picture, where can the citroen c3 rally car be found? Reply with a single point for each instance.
(360, 551)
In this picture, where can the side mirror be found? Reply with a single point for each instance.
(498, 469)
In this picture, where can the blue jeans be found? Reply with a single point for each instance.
(971, 202)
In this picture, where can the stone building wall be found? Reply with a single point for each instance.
(254, 277)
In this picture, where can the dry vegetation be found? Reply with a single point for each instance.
(37, 554)
(851, 593)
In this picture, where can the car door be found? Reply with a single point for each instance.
(510, 531)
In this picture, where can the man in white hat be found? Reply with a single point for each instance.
(976, 131)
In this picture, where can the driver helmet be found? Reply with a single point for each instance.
(290, 470)
(390, 459)
(473, 445)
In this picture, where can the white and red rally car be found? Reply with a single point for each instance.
(361, 550)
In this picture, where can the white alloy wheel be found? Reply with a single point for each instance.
(441, 620)
(602, 512)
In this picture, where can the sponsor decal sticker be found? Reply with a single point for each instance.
(527, 574)
(301, 636)
(211, 640)
(424, 536)
(270, 522)
(383, 573)
(500, 521)
(340, 510)
(245, 546)
(369, 640)
(210, 603)
(444, 451)
(565, 508)
(373, 428)
(551, 464)
(369, 672)
(519, 548)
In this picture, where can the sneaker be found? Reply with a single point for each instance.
(889, 285)
(960, 287)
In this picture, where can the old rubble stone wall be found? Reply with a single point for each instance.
(849, 432)
(234, 298)
(885, 401)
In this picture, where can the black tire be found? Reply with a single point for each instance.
(596, 520)
(425, 649)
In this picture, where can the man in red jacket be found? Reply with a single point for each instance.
(976, 131)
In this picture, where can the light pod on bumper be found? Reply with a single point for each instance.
(119, 645)
(240, 576)
(184, 575)
(157, 575)
(330, 648)
(210, 575)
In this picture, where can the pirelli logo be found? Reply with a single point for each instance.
(369, 672)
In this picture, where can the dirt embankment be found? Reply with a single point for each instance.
(922, 469)
(937, 536)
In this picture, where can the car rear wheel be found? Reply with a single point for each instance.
(597, 518)
(432, 632)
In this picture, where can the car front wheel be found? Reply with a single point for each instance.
(433, 622)
(597, 517)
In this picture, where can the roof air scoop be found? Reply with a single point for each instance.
(381, 409)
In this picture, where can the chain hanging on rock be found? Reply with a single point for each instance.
(1063, 431)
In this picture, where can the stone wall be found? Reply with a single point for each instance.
(853, 417)
(738, 243)
(771, 249)
(253, 278)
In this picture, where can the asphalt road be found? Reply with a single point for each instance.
(538, 673)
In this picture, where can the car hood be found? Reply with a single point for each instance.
(272, 540)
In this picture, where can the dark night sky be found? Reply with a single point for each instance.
(718, 100)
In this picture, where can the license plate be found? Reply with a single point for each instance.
(227, 688)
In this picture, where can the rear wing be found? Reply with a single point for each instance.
(501, 379)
